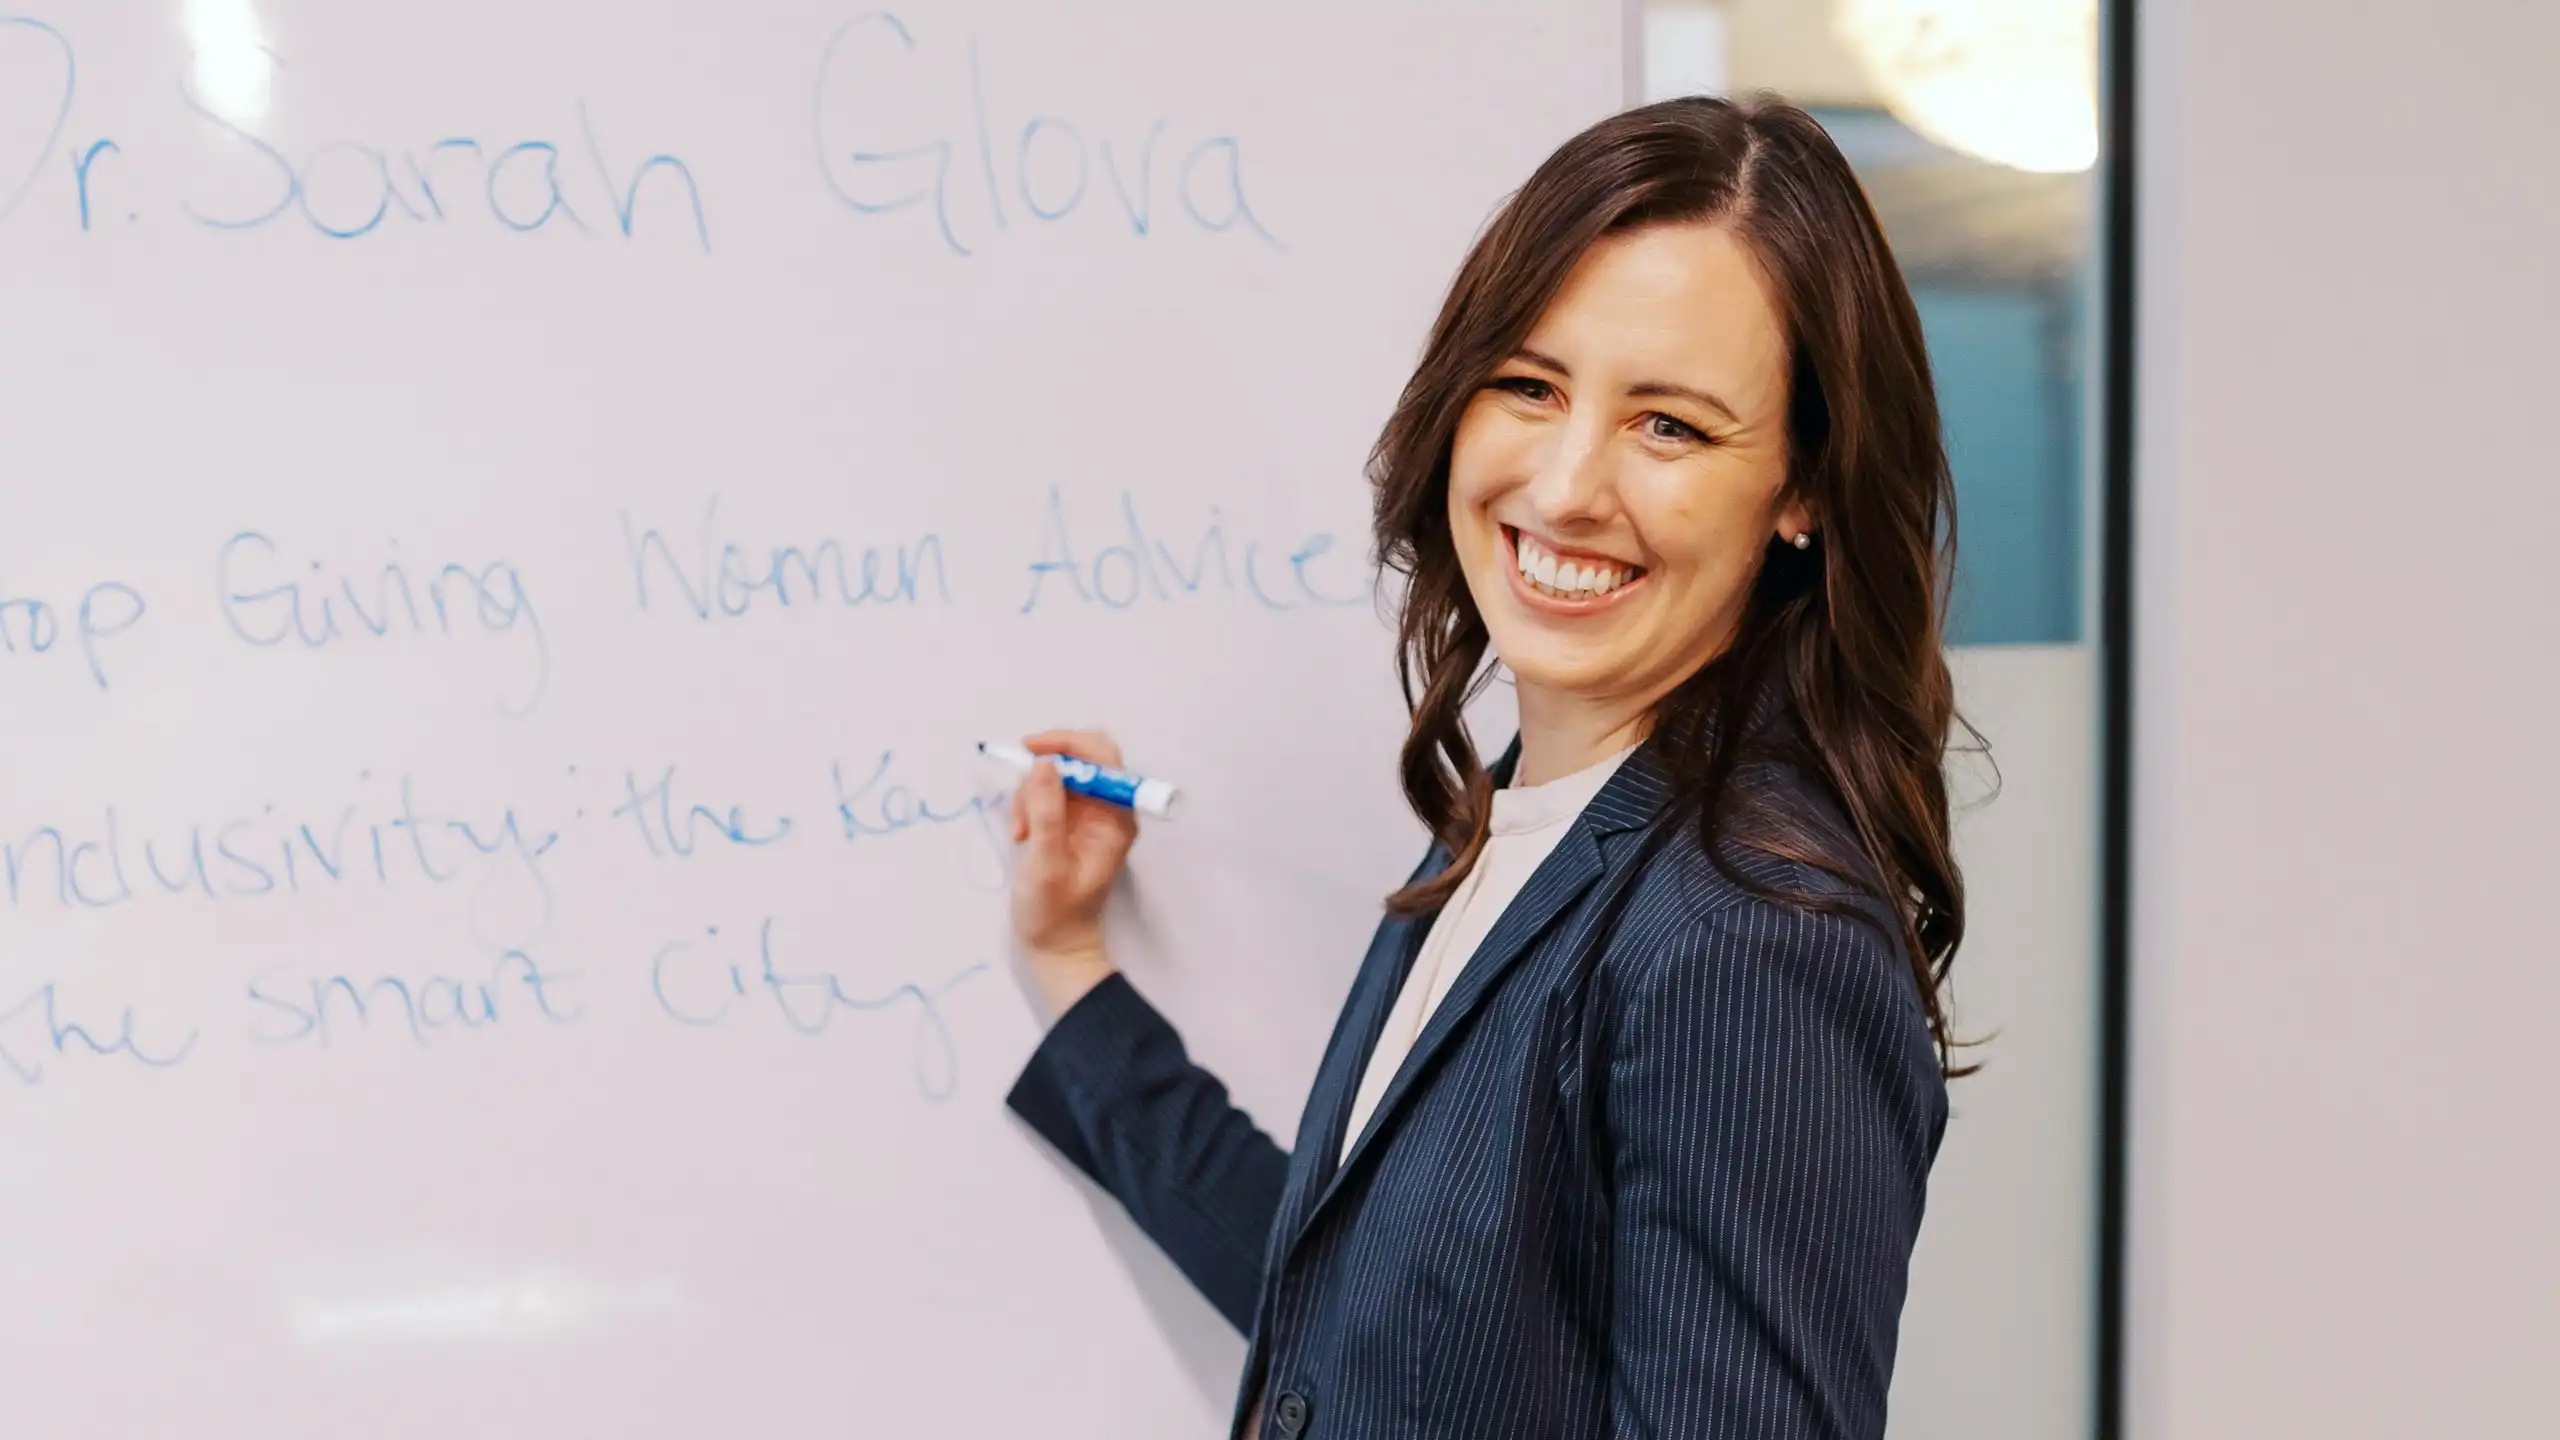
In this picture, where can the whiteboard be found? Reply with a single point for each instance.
(517, 513)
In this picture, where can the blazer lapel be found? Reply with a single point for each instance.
(1337, 1082)
(1404, 943)
(1382, 973)
(1631, 797)
(1559, 881)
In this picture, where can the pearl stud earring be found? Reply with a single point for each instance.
(1804, 539)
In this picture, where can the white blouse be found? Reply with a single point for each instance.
(1527, 825)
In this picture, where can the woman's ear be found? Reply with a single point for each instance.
(1795, 522)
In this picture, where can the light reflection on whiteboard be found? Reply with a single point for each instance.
(233, 73)
(530, 1307)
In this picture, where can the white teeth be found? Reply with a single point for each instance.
(1568, 579)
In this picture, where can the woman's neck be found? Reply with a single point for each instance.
(1560, 733)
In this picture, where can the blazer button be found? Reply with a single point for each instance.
(1293, 1412)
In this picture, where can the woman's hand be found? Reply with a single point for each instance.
(1072, 850)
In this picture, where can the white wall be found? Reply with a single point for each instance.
(2347, 1110)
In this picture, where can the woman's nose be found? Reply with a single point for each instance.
(1575, 481)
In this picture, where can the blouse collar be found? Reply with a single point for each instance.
(1520, 809)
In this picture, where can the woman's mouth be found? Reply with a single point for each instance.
(1571, 581)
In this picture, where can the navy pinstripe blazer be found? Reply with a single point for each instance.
(1654, 1167)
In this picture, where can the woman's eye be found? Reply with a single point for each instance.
(1529, 388)
(1664, 428)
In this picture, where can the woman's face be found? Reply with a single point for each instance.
(1614, 486)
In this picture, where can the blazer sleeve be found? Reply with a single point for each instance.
(1112, 1088)
(1772, 1106)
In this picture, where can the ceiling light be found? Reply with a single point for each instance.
(2014, 82)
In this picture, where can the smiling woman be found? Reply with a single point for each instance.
(1600, 476)
(1628, 1121)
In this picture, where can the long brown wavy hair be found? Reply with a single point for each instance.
(1836, 667)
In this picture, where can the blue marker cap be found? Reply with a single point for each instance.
(1094, 782)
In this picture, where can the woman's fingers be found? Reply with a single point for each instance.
(1089, 835)
(1043, 803)
(1094, 745)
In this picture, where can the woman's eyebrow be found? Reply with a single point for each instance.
(1543, 361)
(1641, 390)
(1665, 390)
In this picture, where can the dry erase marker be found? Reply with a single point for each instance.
(1094, 782)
